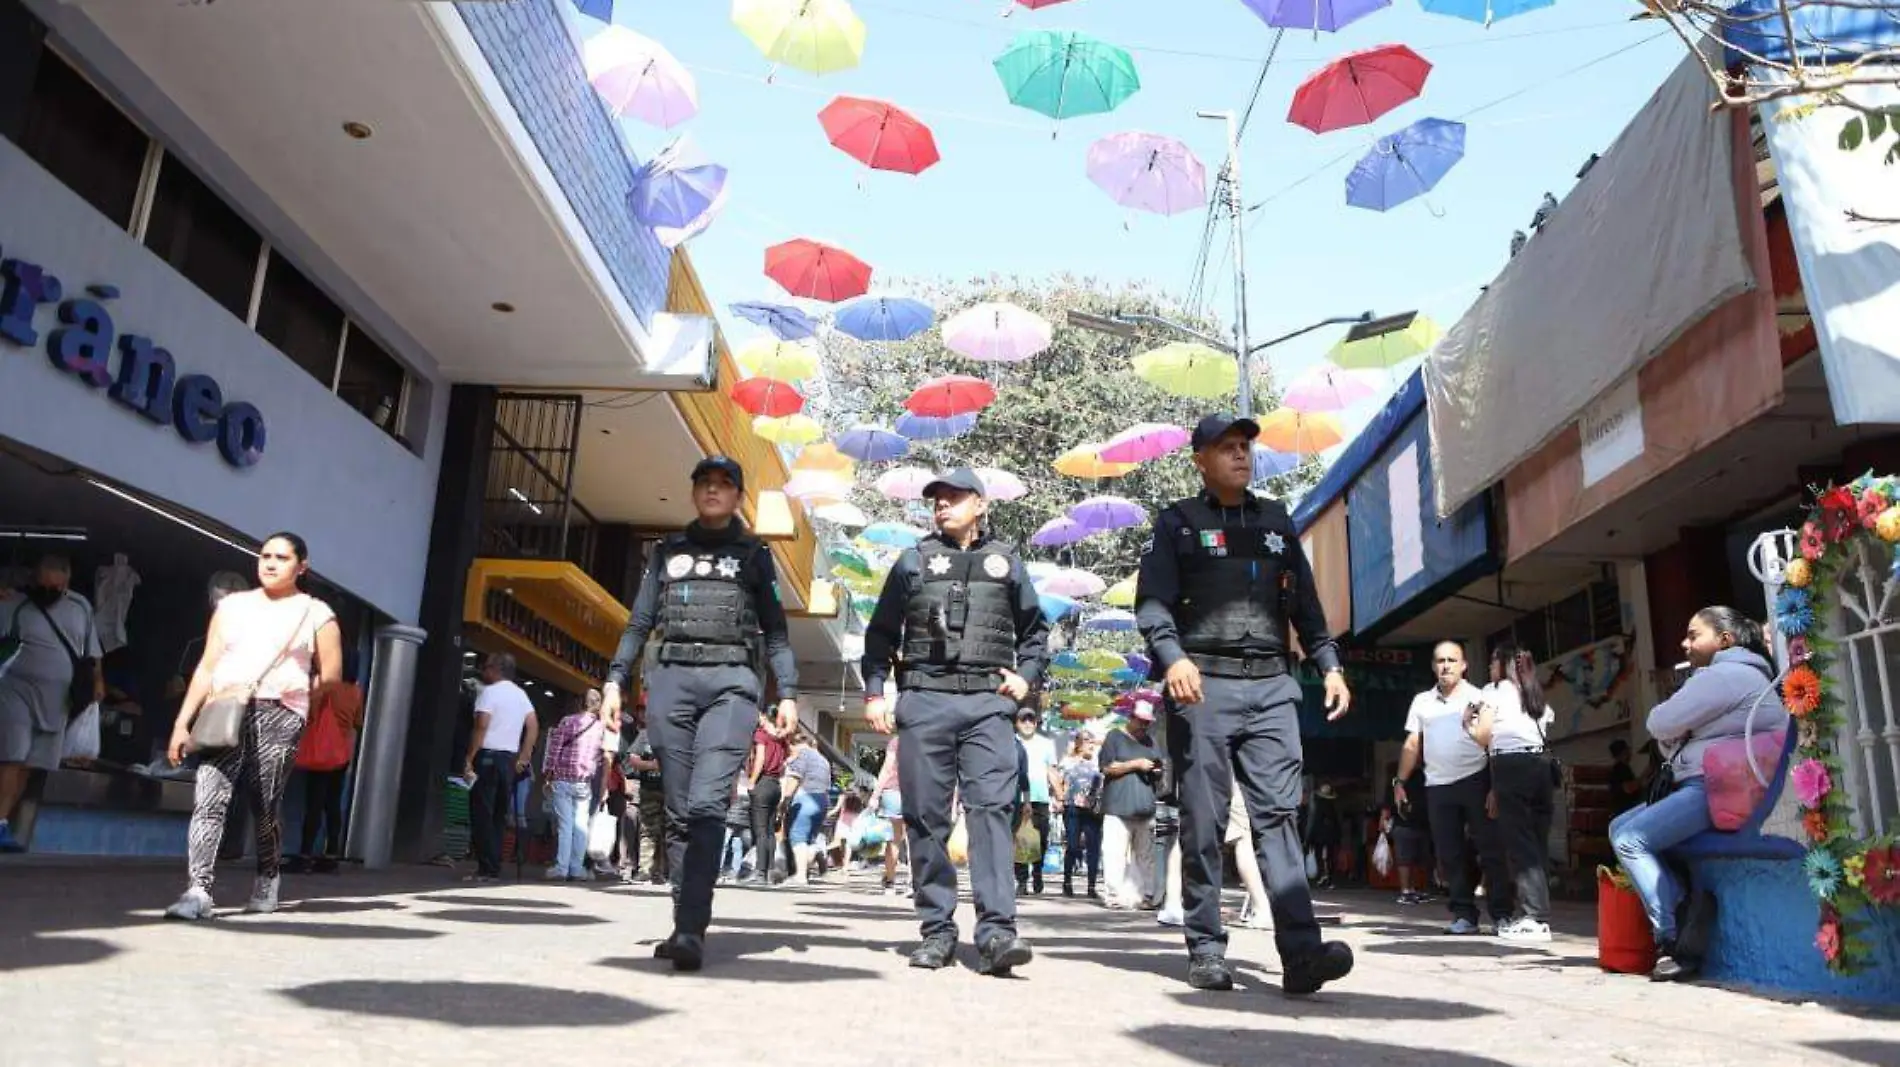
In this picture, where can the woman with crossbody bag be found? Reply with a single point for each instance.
(1511, 725)
(245, 712)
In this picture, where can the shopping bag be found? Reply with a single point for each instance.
(326, 745)
(1028, 845)
(602, 830)
(959, 844)
(1625, 942)
(1312, 866)
(82, 736)
(876, 830)
(1382, 855)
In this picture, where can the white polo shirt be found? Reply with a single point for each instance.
(507, 708)
(1450, 753)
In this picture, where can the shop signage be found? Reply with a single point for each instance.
(1612, 430)
(146, 379)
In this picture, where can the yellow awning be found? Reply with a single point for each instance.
(556, 621)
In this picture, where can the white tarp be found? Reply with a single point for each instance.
(1850, 268)
(1646, 245)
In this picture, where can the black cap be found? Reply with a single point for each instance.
(1214, 427)
(726, 464)
(962, 478)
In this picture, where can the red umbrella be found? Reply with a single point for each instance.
(817, 271)
(1034, 4)
(949, 396)
(1357, 88)
(767, 396)
(881, 136)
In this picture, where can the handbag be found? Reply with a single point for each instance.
(79, 689)
(1555, 765)
(220, 722)
(326, 745)
(1732, 777)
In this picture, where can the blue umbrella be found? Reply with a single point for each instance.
(931, 428)
(786, 323)
(1485, 11)
(1328, 15)
(1054, 608)
(668, 194)
(891, 535)
(872, 444)
(884, 318)
(600, 9)
(1270, 464)
(1114, 620)
(1406, 164)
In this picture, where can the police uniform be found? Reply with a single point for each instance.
(954, 618)
(709, 597)
(1218, 585)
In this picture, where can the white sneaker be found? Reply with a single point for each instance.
(263, 896)
(194, 905)
(1524, 931)
(1171, 917)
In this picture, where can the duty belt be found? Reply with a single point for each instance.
(701, 655)
(1271, 665)
(961, 681)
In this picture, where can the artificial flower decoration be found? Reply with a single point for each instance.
(1798, 573)
(1801, 692)
(1854, 871)
(1797, 622)
(1872, 503)
(1887, 526)
(1824, 873)
(1812, 783)
(1793, 599)
(1840, 513)
(1882, 874)
(1828, 937)
(1812, 547)
(1815, 824)
(1808, 735)
(1798, 651)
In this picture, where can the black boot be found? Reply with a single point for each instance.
(687, 953)
(1068, 887)
(1002, 954)
(1305, 975)
(934, 954)
(1210, 973)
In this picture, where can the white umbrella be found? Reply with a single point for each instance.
(1000, 484)
(840, 513)
(997, 333)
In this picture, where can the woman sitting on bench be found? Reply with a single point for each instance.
(1732, 667)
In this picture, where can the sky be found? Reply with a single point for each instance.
(1540, 93)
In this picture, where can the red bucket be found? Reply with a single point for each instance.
(1625, 943)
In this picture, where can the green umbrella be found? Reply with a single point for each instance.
(848, 561)
(1063, 75)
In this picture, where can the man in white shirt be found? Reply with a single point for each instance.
(499, 747)
(1041, 754)
(1457, 781)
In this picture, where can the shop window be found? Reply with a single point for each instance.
(300, 320)
(1606, 610)
(84, 140)
(193, 229)
(1570, 623)
(371, 380)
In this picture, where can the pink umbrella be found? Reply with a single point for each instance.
(952, 394)
(1328, 388)
(1074, 584)
(904, 483)
(818, 487)
(1148, 172)
(1058, 531)
(1000, 484)
(637, 76)
(1100, 514)
(1143, 442)
(997, 333)
(1358, 87)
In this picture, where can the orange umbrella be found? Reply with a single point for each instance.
(1302, 433)
(1085, 461)
(824, 456)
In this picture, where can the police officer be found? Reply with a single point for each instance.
(1220, 579)
(711, 592)
(959, 614)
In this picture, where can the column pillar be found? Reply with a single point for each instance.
(392, 686)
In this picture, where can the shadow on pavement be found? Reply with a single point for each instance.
(721, 922)
(1878, 1053)
(1452, 946)
(339, 907)
(513, 917)
(478, 901)
(1336, 1003)
(475, 1005)
(857, 911)
(1110, 943)
(1224, 1047)
(748, 943)
(321, 931)
(31, 952)
(1171, 965)
(724, 966)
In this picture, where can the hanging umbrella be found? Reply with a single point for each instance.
(600, 9)
(863, 605)
(1114, 621)
(1148, 172)
(1287, 430)
(1101, 659)
(671, 237)
(1485, 11)
(1061, 530)
(1359, 87)
(1188, 370)
(793, 430)
(637, 77)
(824, 457)
(786, 323)
(817, 488)
(1137, 662)
(846, 560)
(1406, 164)
(1128, 700)
(818, 36)
(997, 333)
(1328, 15)
(1325, 387)
(767, 396)
(840, 513)
(881, 136)
(1055, 607)
(673, 188)
(1000, 484)
(1100, 514)
(817, 271)
(1034, 5)
(952, 394)
(928, 428)
(884, 318)
(1085, 461)
(1041, 570)
(1270, 464)
(1074, 584)
(1387, 349)
(1143, 442)
(904, 483)
(781, 361)
(1063, 75)
(891, 535)
(872, 444)
(1121, 594)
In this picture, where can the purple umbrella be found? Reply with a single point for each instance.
(1100, 514)
(1138, 662)
(872, 444)
(1270, 464)
(1328, 15)
(786, 323)
(1148, 172)
(932, 428)
(637, 76)
(1059, 531)
(669, 193)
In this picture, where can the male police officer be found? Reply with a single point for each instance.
(711, 591)
(1219, 581)
(960, 614)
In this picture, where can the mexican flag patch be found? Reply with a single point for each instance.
(1213, 539)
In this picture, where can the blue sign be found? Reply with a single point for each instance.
(146, 380)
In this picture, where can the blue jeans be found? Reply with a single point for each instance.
(735, 851)
(571, 803)
(808, 817)
(1640, 837)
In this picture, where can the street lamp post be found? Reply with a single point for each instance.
(1231, 185)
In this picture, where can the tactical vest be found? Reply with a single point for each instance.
(703, 597)
(977, 600)
(1235, 581)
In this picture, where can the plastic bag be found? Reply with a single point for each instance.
(959, 844)
(1312, 866)
(1028, 845)
(602, 830)
(875, 830)
(1382, 855)
(82, 736)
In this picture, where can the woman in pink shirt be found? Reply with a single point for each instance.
(888, 800)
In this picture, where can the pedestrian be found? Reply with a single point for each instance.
(1512, 722)
(323, 785)
(1457, 784)
(810, 773)
(1220, 579)
(887, 799)
(765, 768)
(1081, 816)
(1410, 833)
(712, 591)
(1040, 752)
(1323, 833)
(1131, 767)
(738, 832)
(960, 611)
(262, 651)
(1626, 789)
(643, 766)
(54, 677)
(568, 765)
(500, 749)
(1256, 911)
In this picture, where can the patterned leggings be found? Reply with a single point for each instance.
(260, 764)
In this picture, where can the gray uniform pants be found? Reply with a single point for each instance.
(961, 743)
(1249, 729)
(700, 720)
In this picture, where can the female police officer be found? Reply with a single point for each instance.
(711, 591)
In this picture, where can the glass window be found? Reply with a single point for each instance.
(372, 380)
(300, 320)
(193, 229)
(85, 141)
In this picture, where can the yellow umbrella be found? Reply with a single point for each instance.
(819, 36)
(1085, 461)
(825, 458)
(1387, 349)
(779, 360)
(1299, 432)
(1101, 659)
(790, 430)
(1189, 370)
(1121, 594)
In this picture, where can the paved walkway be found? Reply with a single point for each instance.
(412, 967)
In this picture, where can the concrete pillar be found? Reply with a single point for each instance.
(392, 687)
